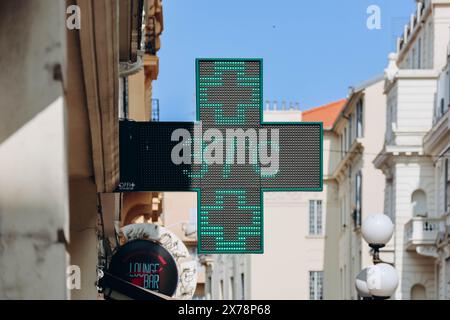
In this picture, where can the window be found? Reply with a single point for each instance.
(315, 217)
(221, 296)
(415, 52)
(391, 121)
(125, 97)
(316, 285)
(419, 54)
(418, 292)
(429, 48)
(419, 203)
(359, 119)
(208, 288)
(350, 131)
(354, 268)
(448, 77)
(358, 200)
(231, 289)
(242, 286)
(345, 210)
(200, 293)
(446, 186)
(389, 203)
(442, 110)
(342, 146)
(343, 220)
(345, 140)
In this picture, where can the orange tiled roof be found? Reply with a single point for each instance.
(327, 114)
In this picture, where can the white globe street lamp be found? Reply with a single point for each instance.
(361, 285)
(382, 280)
(377, 230)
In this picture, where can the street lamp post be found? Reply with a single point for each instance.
(380, 280)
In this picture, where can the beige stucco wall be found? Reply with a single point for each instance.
(282, 115)
(331, 246)
(373, 182)
(282, 272)
(83, 241)
(33, 169)
(138, 109)
(353, 251)
(290, 253)
(176, 210)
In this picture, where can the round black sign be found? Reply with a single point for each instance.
(146, 264)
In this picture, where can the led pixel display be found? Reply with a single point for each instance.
(229, 156)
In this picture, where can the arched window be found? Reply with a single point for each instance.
(418, 292)
(419, 203)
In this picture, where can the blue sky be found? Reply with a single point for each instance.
(312, 50)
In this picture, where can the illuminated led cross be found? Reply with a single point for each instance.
(236, 156)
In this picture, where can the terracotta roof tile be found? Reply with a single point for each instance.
(327, 114)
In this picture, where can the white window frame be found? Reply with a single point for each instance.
(343, 214)
(208, 287)
(221, 290)
(360, 119)
(316, 285)
(419, 53)
(242, 286)
(358, 199)
(346, 140)
(350, 130)
(446, 184)
(315, 217)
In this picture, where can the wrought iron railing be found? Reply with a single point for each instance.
(155, 110)
(420, 231)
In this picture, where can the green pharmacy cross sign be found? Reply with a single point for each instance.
(230, 156)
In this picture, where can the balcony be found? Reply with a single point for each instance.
(421, 232)
(423, 9)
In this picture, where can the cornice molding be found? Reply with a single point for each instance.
(99, 54)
